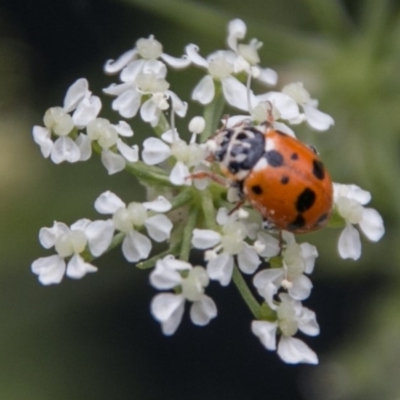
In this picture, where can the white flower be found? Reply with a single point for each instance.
(142, 74)
(108, 138)
(129, 218)
(349, 201)
(168, 308)
(315, 118)
(145, 50)
(296, 259)
(58, 122)
(187, 156)
(291, 317)
(69, 243)
(247, 54)
(227, 243)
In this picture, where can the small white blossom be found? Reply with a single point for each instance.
(291, 317)
(168, 308)
(187, 156)
(69, 243)
(115, 152)
(315, 118)
(297, 259)
(349, 201)
(59, 122)
(142, 74)
(132, 217)
(247, 54)
(227, 244)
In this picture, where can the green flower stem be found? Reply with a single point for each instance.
(163, 125)
(190, 224)
(244, 290)
(207, 205)
(212, 113)
(151, 262)
(182, 198)
(148, 173)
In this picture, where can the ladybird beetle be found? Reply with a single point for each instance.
(278, 175)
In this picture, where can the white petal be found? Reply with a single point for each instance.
(170, 136)
(48, 236)
(266, 276)
(131, 154)
(203, 311)
(124, 129)
(117, 89)
(99, 234)
(49, 269)
(113, 162)
(108, 203)
(179, 174)
(65, 149)
(176, 62)
(266, 332)
(80, 225)
(294, 351)
(309, 253)
(132, 70)
(317, 119)
(270, 245)
(205, 238)
(127, 103)
(204, 91)
(149, 112)
(41, 136)
(372, 224)
(349, 243)
(236, 30)
(155, 151)
(301, 288)
(136, 246)
(192, 52)
(248, 259)
(221, 268)
(76, 93)
(113, 66)
(286, 106)
(85, 146)
(77, 268)
(168, 308)
(158, 227)
(160, 204)
(308, 322)
(180, 107)
(235, 93)
(268, 76)
(164, 278)
(87, 110)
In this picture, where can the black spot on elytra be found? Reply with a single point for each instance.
(318, 169)
(294, 156)
(284, 179)
(256, 189)
(305, 200)
(298, 223)
(274, 158)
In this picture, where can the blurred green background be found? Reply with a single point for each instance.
(95, 338)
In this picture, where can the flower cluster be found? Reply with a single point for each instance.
(189, 205)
